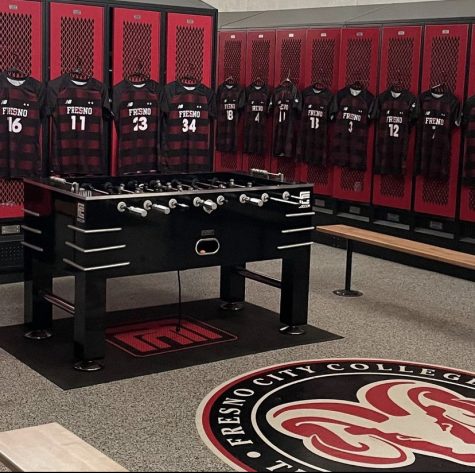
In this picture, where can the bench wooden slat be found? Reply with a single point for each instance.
(51, 447)
(444, 255)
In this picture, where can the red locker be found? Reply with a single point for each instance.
(20, 47)
(321, 63)
(358, 61)
(76, 39)
(135, 48)
(467, 200)
(231, 62)
(445, 54)
(289, 62)
(189, 46)
(400, 62)
(260, 59)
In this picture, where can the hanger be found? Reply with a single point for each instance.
(15, 72)
(78, 73)
(287, 81)
(440, 88)
(139, 75)
(190, 76)
(318, 83)
(230, 80)
(258, 82)
(357, 85)
(397, 86)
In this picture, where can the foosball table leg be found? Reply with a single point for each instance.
(294, 290)
(232, 288)
(89, 321)
(38, 312)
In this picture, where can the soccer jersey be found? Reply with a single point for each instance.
(469, 126)
(396, 113)
(22, 106)
(230, 101)
(439, 113)
(78, 109)
(351, 108)
(257, 105)
(188, 110)
(285, 104)
(136, 109)
(316, 113)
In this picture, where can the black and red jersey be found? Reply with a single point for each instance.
(230, 102)
(188, 110)
(78, 109)
(136, 109)
(312, 145)
(350, 144)
(22, 107)
(396, 112)
(285, 104)
(439, 113)
(469, 127)
(256, 110)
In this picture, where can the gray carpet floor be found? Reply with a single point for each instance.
(148, 423)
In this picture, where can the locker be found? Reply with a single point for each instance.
(260, 61)
(358, 61)
(21, 47)
(321, 63)
(444, 60)
(467, 201)
(289, 62)
(135, 48)
(400, 61)
(189, 40)
(231, 62)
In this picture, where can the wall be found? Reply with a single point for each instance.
(261, 5)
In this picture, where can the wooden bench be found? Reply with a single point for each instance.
(51, 447)
(351, 234)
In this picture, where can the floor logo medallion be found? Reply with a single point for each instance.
(343, 415)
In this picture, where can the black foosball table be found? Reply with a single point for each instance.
(98, 228)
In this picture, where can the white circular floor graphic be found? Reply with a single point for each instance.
(343, 415)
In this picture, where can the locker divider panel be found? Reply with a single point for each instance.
(400, 60)
(20, 26)
(231, 62)
(444, 60)
(358, 61)
(260, 61)
(289, 61)
(322, 55)
(136, 45)
(467, 201)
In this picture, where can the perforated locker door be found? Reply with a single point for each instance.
(231, 62)
(358, 61)
(76, 39)
(467, 198)
(321, 63)
(260, 61)
(189, 46)
(289, 62)
(400, 62)
(444, 60)
(135, 48)
(20, 47)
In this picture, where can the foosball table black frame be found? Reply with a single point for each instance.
(68, 225)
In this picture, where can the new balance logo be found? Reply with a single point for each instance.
(130, 104)
(4, 102)
(180, 106)
(69, 102)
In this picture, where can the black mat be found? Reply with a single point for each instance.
(252, 330)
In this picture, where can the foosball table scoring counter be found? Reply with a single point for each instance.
(98, 228)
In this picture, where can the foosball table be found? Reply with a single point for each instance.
(98, 228)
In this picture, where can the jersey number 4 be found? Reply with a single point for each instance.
(189, 126)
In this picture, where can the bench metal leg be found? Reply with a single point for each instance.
(348, 292)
